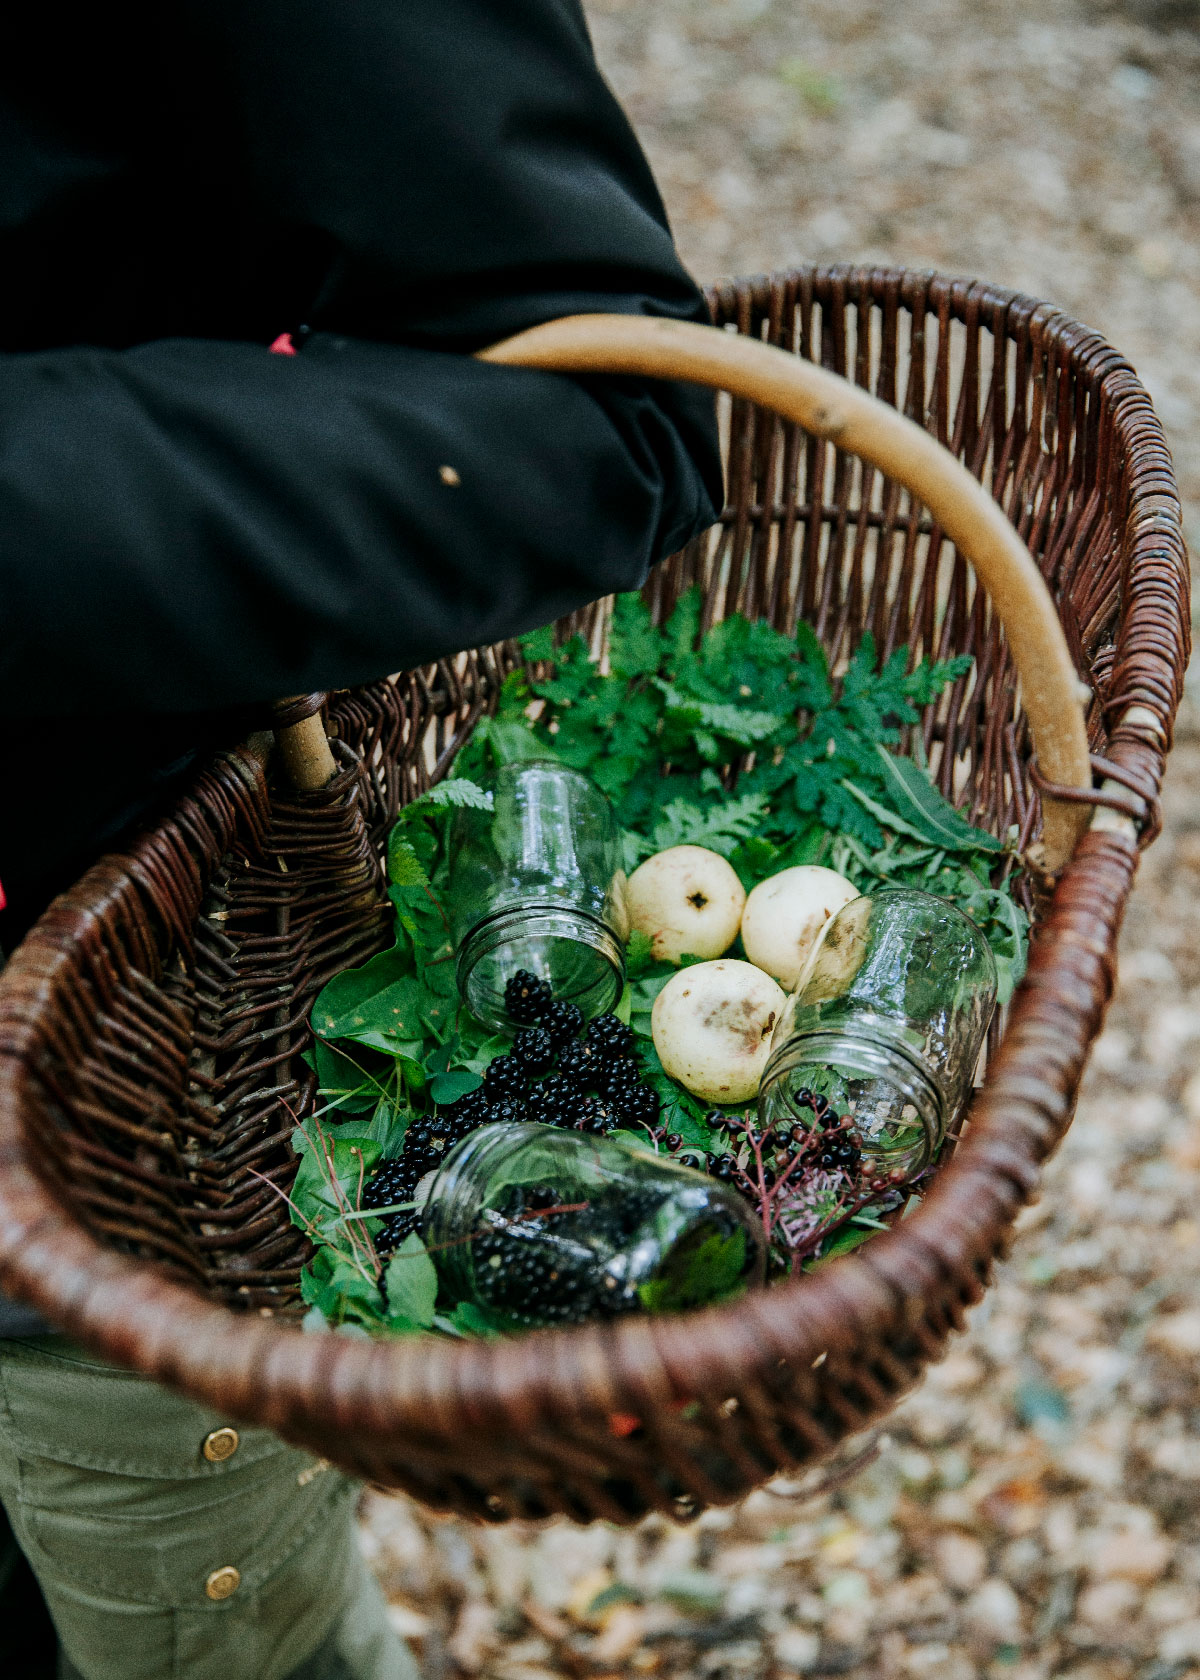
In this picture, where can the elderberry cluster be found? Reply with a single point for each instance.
(831, 1144)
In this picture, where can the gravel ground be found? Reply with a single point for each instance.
(1034, 1510)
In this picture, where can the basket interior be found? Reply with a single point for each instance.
(170, 1070)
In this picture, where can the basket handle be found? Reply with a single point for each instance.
(833, 408)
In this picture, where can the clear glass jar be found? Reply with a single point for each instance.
(536, 884)
(886, 1022)
(543, 1226)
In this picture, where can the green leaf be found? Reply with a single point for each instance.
(713, 1272)
(344, 1084)
(455, 792)
(449, 1087)
(470, 1319)
(389, 1124)
(681, 1112)
(885, 816)
(411, 1282)
(916, 797)
(537, 646)
(339, 1008)
(846, 1240)
(635, 646)
(405, 868)
(720, 827)
(349, 1162)
(639, 953)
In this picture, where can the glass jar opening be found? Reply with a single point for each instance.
(578, 956)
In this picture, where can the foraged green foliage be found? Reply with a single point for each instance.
(739, 740)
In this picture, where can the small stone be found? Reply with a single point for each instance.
(1177, 1333)
(1133, 1557)
(1170, 1605)
(960, 1559)
(797, 1648)
(621, 1637)
(994, 1609)
(1180, 1643)
(1106, 1603)
(475, 1636)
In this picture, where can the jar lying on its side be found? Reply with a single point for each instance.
(536, 885)
(886, 1023)
(543, 1226)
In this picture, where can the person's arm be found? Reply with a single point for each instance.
(192, 523)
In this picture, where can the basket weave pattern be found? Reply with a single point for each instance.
(151, 1025)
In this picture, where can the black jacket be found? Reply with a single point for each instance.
(189, 524)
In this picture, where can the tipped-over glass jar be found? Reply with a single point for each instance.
(536, 884)
(886, 1022)
(542, 1226)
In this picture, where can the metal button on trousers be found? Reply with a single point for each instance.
(161, 1561)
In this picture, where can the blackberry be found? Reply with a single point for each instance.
(580, 1063)
(525, 996)
(562, 1021)
(464, 1115)
(534, 1277)
(503, 1111)
(506, 1076)
(612, 1036)
(615, 1077)
(395, 1229)
(554, 1101)
(605, 1115)
(534, 1049)
(595, 1117)
(392, 1182)
(640, 1105)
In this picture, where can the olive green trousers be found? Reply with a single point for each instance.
(170, 1544)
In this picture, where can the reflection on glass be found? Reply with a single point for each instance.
(542, 1226)
(887, 1022)
(536, 884)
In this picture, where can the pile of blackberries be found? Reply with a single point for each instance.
(426, 1144)
(591, 1084)
(551, 1075)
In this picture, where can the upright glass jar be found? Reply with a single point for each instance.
(536, 884)
(886, 1022)
(543, 1226)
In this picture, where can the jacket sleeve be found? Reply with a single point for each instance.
(192, 522)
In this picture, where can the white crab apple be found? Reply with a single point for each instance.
(712, 1026)
(688, 900)
(784, 915)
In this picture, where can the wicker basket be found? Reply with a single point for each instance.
(151, 1024)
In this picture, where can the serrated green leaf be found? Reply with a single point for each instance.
(538, 645)
(719, 827)
(639, 953)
